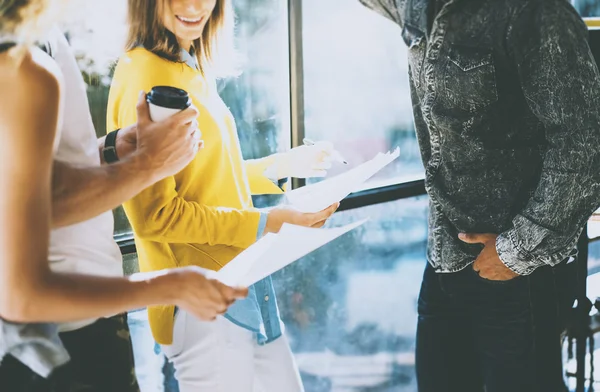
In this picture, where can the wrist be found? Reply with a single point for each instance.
(138, 167)
(125, 143)
(269, 224)
(514, 257)
(108, 148)
(163, 288)
(274, 171)
(275, 219)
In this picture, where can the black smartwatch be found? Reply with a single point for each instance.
(109, 152)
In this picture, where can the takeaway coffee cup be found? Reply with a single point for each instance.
(164, 101)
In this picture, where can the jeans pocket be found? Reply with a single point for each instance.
(500, 304)
(499, 283)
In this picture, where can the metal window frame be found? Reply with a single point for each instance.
(296, 56)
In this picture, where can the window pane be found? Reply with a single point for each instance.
(353, 302)
(122, 225)
(260, 97)
(594, 226)
(593, 288)
(356, 91)
(587, 8)
(130, 264)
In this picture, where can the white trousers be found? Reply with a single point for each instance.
(220, 356)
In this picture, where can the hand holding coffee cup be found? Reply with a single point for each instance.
(196, 134)
(165, 101)
(167, 138)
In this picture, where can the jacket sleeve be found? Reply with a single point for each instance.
(159, 214)
(561, 84)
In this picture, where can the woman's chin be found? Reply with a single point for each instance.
(189, 37)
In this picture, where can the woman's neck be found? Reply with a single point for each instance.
(186, 45)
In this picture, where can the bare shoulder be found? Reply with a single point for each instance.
(31, 84)
(35, 76)
(30, 97)
(42, 75)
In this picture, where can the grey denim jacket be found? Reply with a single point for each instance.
(506, 101)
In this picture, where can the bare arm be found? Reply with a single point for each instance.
(82, 193)
(29, 291)
(561, 84)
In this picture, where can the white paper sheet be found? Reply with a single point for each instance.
(318, 196)
(276, 251)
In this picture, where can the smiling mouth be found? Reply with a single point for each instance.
(188, 21)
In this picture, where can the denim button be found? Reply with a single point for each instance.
(266, 298)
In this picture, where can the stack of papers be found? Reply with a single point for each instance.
(275, 251)
(268, 255)
(318, 196)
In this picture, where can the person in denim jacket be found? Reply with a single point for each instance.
(506, 99)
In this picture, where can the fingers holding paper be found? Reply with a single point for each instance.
(203, 297)
(321, 217)
(280, 215)
(321, 156)
(313, 159)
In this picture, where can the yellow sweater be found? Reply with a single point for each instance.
(203, 215)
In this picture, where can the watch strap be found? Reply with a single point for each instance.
(109, 152)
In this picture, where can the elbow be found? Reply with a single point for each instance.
(26, 300)
(150, 231)
(155, 225)
(60, 218)
(146, 235)
(64, 212)
(19, 307)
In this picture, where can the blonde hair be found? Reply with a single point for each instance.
(214, 49)
(27, 21)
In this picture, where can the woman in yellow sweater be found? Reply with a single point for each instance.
(204, 215)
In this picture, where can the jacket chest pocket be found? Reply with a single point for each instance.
(470, 78)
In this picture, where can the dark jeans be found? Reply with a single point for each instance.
(477, 335)
(101, 361)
